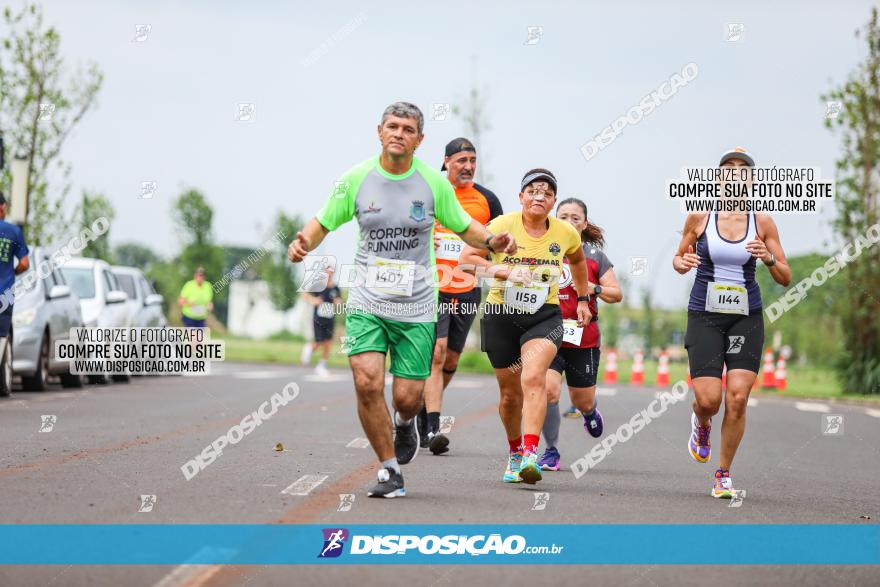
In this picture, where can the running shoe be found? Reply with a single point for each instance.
(438, 443)
(571, 412)
(390, 484)
(723, 486)
(514, 463)
(321, 369)
(406, 441)
(549, 461)
(306, 356)
(530, 472)
(594, 424)
(698, 444)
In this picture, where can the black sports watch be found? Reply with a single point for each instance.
(583, 298)
(597, 289)
(488, 240)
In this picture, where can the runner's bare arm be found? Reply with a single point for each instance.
(685, 258)
(475, 235)
(306, 240)
(577, 263)
(762, 247)
(611, 292)
(474, 259)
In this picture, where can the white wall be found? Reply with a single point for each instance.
(252, 314)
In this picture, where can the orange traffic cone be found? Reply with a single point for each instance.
(611, 367)
(779, 376)
(663, 370)
(768, 379)
(637, 377)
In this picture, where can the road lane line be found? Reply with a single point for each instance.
(358, 443)
(752, 402)
(304, 485)
(812, 407)
(872, 413)
(607, 391)
(311, 509)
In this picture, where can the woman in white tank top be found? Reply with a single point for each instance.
(725, 322)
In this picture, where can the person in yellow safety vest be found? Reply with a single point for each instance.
(195, 300)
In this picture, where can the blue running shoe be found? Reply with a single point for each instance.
(594, 423)
(549, 461)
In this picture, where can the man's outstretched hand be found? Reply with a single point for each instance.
(503, 242)
(298, 248)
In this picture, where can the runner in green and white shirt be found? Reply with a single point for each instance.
(395, 199)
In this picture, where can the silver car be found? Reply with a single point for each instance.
(144, 304)
(41, 315)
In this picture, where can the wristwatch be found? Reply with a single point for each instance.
(583, 298)
(597, 289)
(488, 240)
(772, 261)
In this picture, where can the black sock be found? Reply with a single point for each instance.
(434, 422)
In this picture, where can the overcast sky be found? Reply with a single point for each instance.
(167, 111)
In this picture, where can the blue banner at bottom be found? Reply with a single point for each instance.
(533, 544)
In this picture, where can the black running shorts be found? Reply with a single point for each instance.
(504, 330)
(455, 315)
(714, 339)
(579, 365)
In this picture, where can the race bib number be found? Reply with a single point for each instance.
(450, 247)
(571, 332)
(727, 298)
(528, 298)
(393, 277)
(200, 310)
(325, 310)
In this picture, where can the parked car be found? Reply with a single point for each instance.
(100, 297)
(43, 314)
(144, 305)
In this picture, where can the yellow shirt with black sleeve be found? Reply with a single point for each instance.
(542, 255)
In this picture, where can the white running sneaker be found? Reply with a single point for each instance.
(306, 356)
(321, 370)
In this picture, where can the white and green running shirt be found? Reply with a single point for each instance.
(395, 252)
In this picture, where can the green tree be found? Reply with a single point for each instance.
(136, 255)
(276, 269)
(92, 207)
(857, 195)
(40, 104)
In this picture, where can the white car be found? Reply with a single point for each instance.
(144, 305)
(100, 297)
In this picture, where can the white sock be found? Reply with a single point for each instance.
(400, 421)
(392, 464)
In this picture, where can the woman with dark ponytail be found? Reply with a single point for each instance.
(578, 357)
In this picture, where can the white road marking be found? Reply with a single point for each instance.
(812, 407)
(872, 413)
(737, 499)
(752, 402)
(332, 378)
(358, 443)
(609, 391)
(305, 484)
(469, 383)
(187, 572)
(259, 374)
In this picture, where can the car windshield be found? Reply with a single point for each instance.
(126, 284)
(80, 281)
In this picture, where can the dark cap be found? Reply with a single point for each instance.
(538, 174)
(737, 153)
(457, 146)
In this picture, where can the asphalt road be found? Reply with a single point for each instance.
(111, 444)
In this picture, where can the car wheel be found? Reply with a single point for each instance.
(39, 381)
(71, 380)
(6, 368)
(121, 378)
